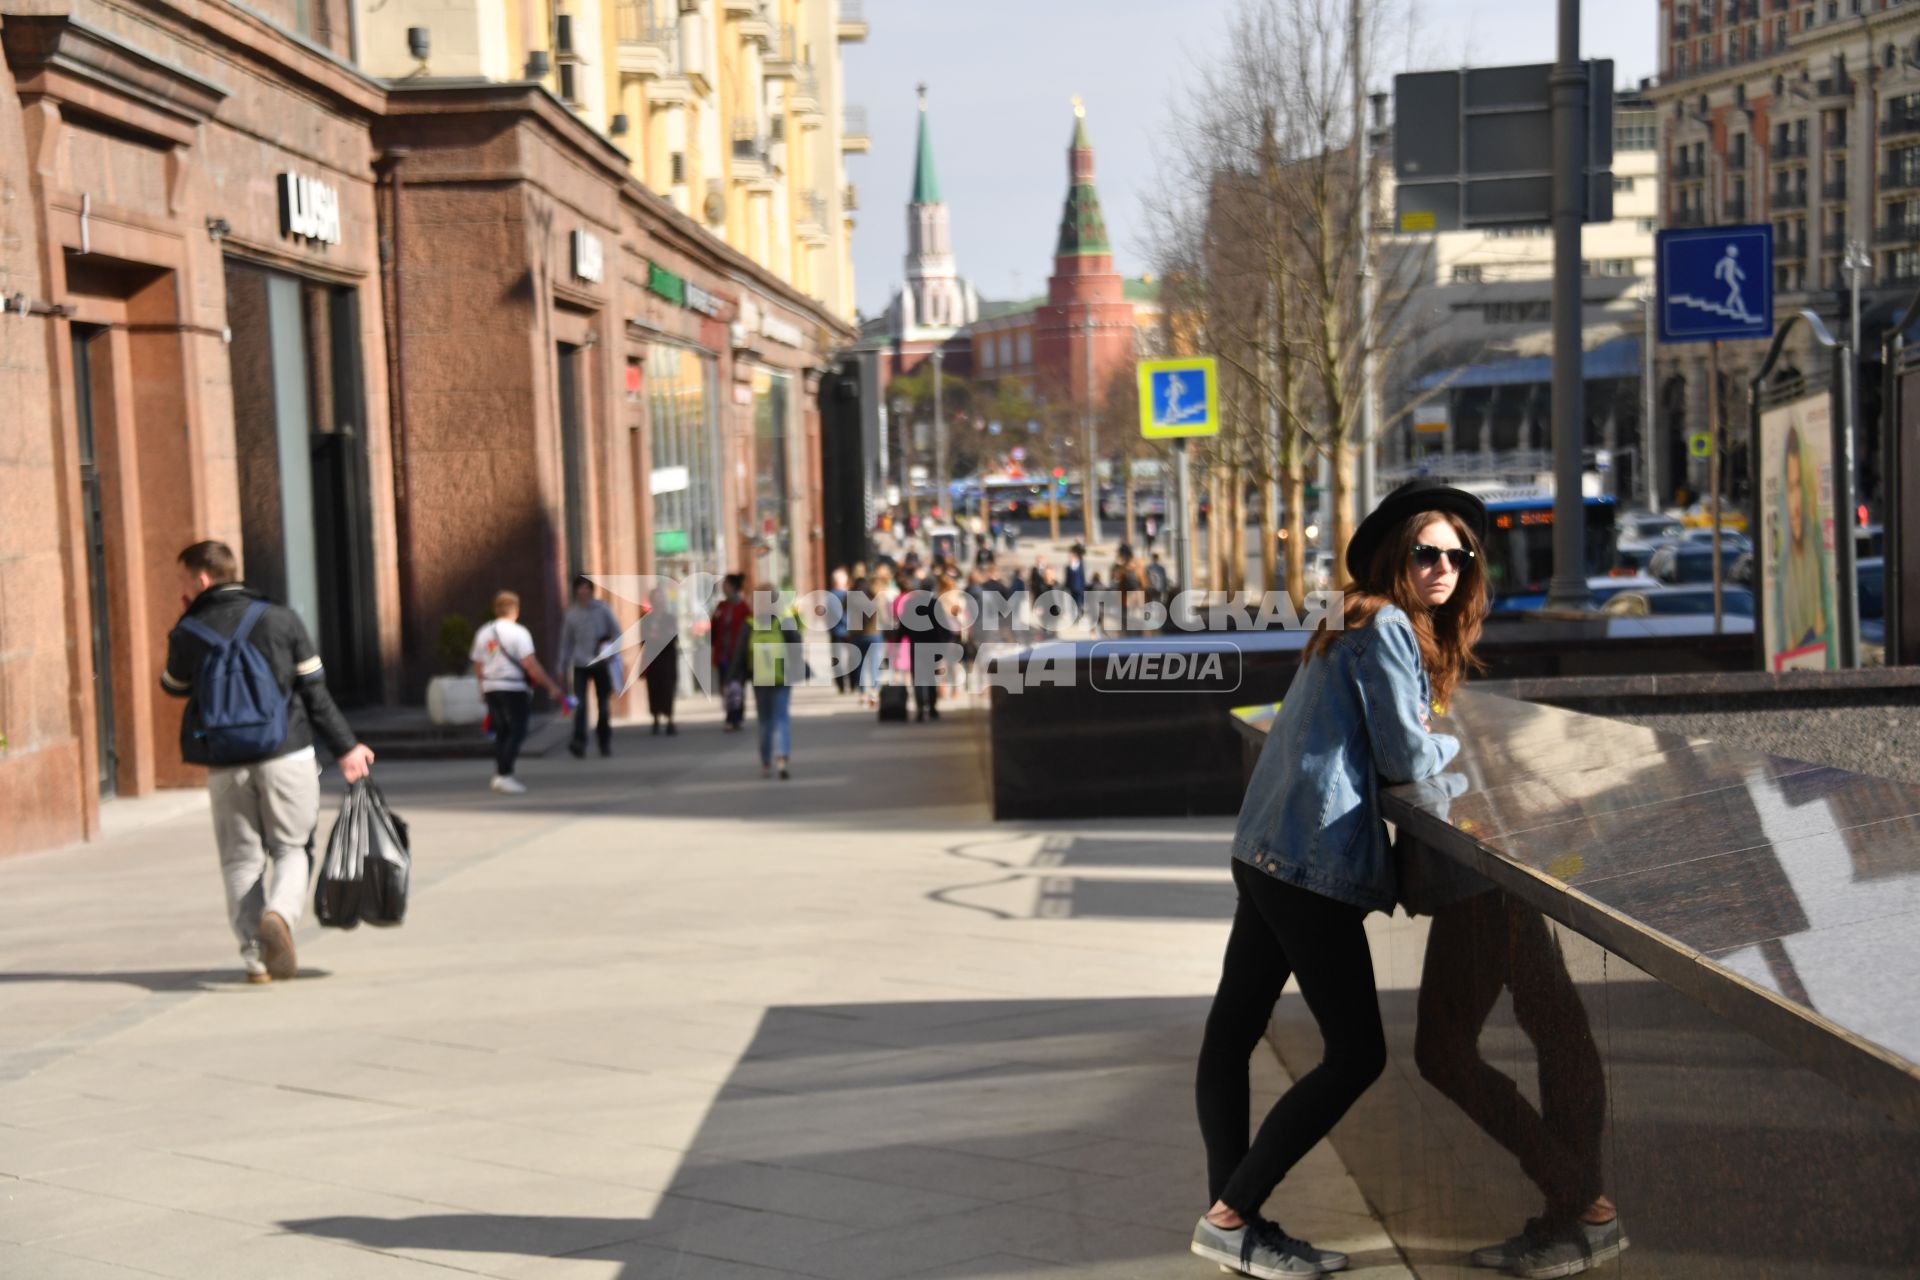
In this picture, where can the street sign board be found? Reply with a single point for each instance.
(1700, 445)
(1714, 282)
(1179, 398)
(1474, 148)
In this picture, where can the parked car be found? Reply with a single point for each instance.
(1735, 602)
(1646, 526)
(1704, 538)
(1684, 563)
(1700, 516)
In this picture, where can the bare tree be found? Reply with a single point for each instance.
(1262, 166)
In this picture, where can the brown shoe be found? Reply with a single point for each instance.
(276, 946)
(259, 977)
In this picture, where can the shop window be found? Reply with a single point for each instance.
(772, 521)
(300, 444)
(681, 395)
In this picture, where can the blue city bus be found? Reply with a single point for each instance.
(1519, 550)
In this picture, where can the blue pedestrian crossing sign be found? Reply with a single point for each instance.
(1179, 398)
(1715, 282)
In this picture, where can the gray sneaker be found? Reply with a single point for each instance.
(1261, 1248)
(1541, 1252)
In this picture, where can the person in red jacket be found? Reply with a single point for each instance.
(730, 619)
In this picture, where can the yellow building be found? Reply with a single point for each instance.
(732, 109)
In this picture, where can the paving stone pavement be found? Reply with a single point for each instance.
(656, 1018)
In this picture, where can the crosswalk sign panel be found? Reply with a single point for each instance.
(1179, 397)
(1715, 282)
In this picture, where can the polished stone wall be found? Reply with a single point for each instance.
(1724, 1158)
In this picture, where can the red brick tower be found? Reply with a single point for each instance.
(1084, 289)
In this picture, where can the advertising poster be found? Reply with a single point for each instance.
(1796, 536)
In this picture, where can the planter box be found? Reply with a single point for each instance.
(455, 700)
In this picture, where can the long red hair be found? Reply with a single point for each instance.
(1448, 634)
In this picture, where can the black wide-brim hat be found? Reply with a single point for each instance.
(1422, 493)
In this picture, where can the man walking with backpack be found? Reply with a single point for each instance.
(256, 698)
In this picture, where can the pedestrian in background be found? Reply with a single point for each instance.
(770, 658)
(1310, 855)
(660, 650)
(729, 634)
(504, 660)
(587, 634)
(263, 779)
(845, 677)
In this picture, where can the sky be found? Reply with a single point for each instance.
(1000, 75)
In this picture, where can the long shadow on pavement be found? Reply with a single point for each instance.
(979, 1138)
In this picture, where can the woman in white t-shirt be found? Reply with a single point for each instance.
(503, 659)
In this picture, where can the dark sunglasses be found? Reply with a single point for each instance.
(1427, 557)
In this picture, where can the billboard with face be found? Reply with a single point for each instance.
(1795, 554)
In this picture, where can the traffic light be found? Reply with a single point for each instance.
(1060, 477)
(1860, 512)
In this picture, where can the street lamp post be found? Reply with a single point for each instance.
(940, 493)
(1090, 480)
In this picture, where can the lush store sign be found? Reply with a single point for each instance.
(309, 209)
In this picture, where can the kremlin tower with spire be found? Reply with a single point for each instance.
(1084, 335)
(936, 303)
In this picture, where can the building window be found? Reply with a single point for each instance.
(1621, 184)
(1006, 349)
(1646, 226)
(986, 354)
(1466, 275)
(1026, 346)
(1524, 312)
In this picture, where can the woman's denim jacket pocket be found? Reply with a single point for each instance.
(1352, 720)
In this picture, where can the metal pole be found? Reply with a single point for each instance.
(1848, 598)
(1090, 481)
(1892, 524)
(1363, 250)
(1713, 472)
(1649, 477)
(1568, 587)
(941, 495)
(1184, 496)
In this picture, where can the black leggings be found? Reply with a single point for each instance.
(1278, 930)
(510, 712)
(1474, 948)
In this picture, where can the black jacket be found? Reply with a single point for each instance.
(282, 639)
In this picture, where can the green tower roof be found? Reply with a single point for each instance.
(926, 183)
(1083, 230)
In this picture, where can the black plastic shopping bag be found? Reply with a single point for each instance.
(388, 863)
(337, 893)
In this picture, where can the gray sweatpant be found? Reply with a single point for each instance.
(263, 816)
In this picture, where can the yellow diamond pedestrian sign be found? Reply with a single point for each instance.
(1179, 398)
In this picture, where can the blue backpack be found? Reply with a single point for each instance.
(243, 710)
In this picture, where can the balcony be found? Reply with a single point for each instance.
(751, 152)
(757, 25)
(1834, 87)
(1789, 248)
(1837, 190)
(781, 58)
(854, 137)
(1687, 217)
(743, 8)
(1897, 233)
(646, 50)
(1901, 180)
(1737, 161)
(852, 26)
(850, 198)
(1789, 198)
(810, 218)
(1684, 170)
(805, 100)
(1735, 210)
(1789, 149)
(1836, 139)
(1834, 241)
(1900, 124)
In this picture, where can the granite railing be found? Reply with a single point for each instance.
(1713, 959)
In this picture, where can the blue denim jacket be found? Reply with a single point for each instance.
(1349, 724)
